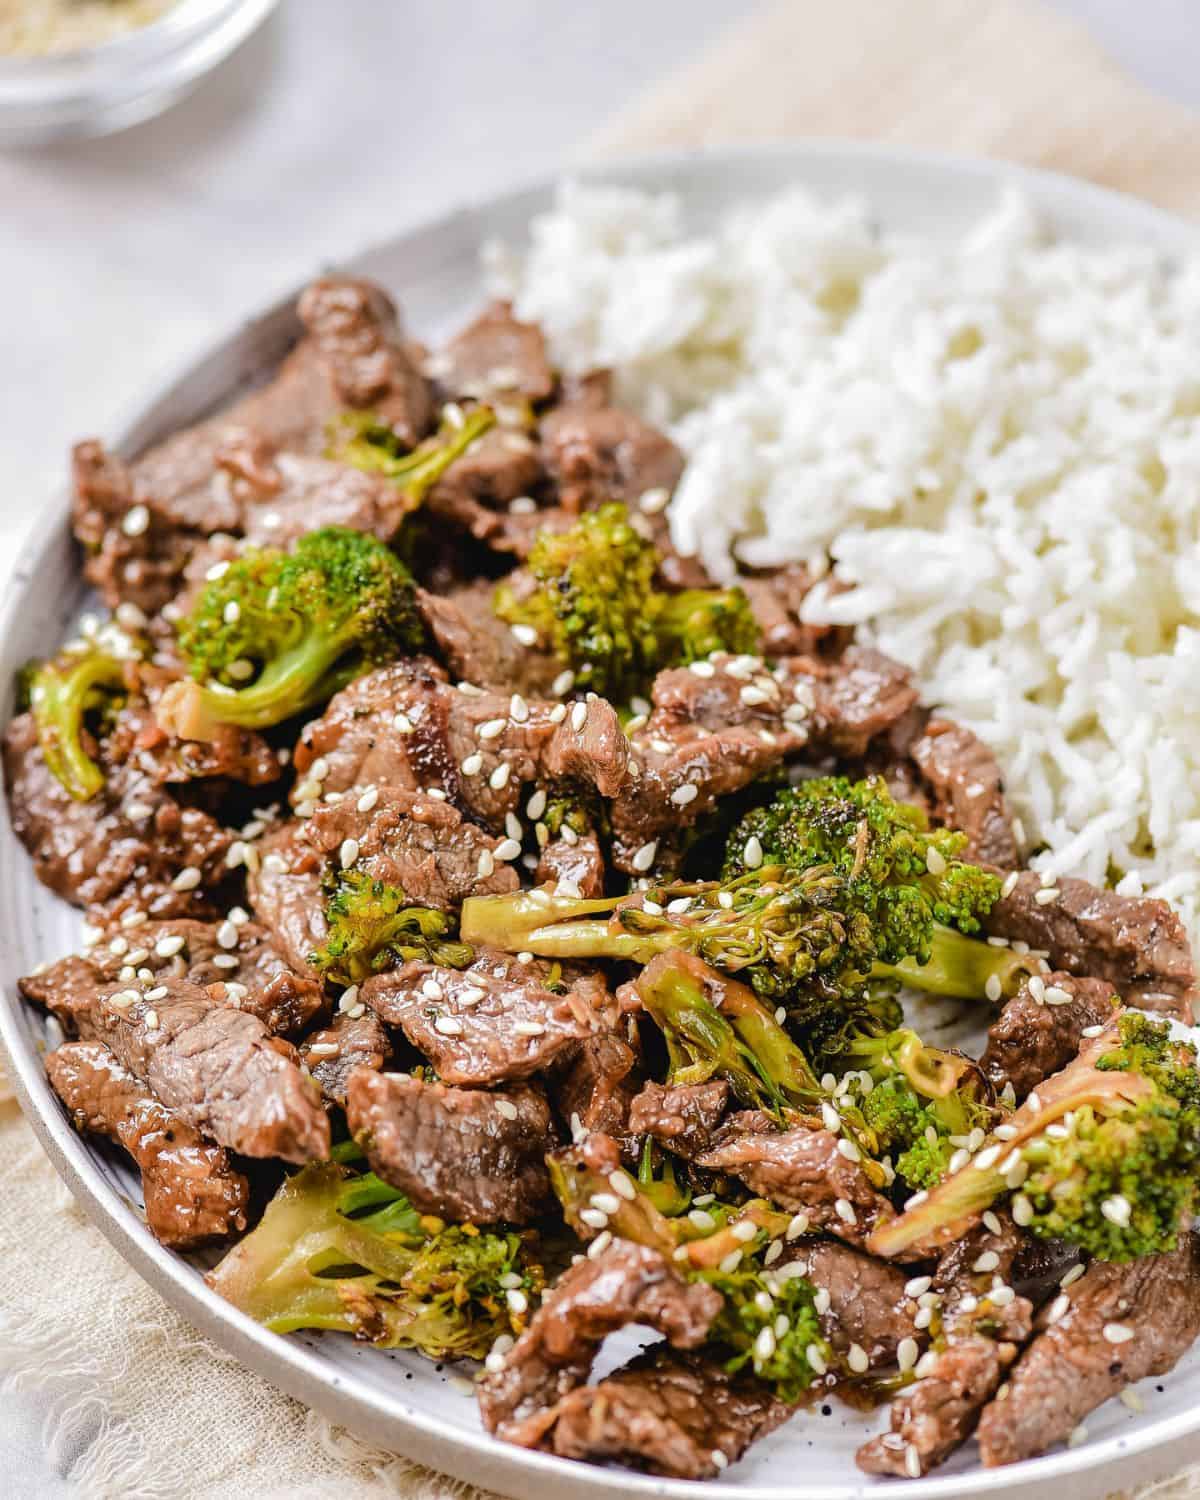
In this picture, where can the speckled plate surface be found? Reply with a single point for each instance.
(401, 1400)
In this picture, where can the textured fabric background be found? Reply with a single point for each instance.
(140, 1407)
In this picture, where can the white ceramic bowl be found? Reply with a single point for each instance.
(96, 90)
(400, 1400)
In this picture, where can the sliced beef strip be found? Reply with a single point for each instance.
(193, 1194)
(287, 495)
(1136, 943)
(139, 743)
(801, 1170)
(478, 647)
(578, 862)
(668, 1413)
(868, 1301)
(597, 454)
(284, 892)
(355, 329)
(401, 727)
(139, 524)
(682, 1117)
(350, 1041)
(492, 1022)
(470, 1155)
(413, 841)
(597, 1090)
(967, 791)
(1074, 1365)
(496, 354)
(776, 598)
(477, 492)
(720, 724)
(1033, 1037)
(255, 977)
(121, 851)
(626, 1284)
(980, 1339)
(219, 1069)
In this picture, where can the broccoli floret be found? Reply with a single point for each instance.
(62, 695)
(360, 439)
(918, 899)
(772, 1325)
(336, 1250)
(798, 937)
(920, 1102)
(589, 591)
(1103, 1155)
(372, 927)
(279, 632)
(696, 622)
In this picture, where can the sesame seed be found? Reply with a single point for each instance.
(523, 505)
(830, 1117)
(780, 1015)
(1010, 883)
(490, 729)
(798, 1226)
(991, 1222)
(402, 723)
(753, 696)
(1118, 1333)
(486, 863)
(506, 1108)
(1045, 896)
(1058, 1308)
(1077, 1436)
(136, 520)
(472, 765)
(644, 857)
(323, 1049)
(1056, 995)
(701, 1219)
(507, 849)
(719, 1461)
(579, 716)
(702, 669)
(987, 1158)
(988, 1261)
(912, 1461)
(822, 1298)
(752, 853)
(849, 1150)
(622, 1186)
(227, 935)
(348, 999)
(917, 1286)
(1090, 1031)
(529, 1028)
(992, 988)
(1001, 1295)
(536, 805)
(682, 795)
(744, 1230)
(526, 635)
(1117, 1210)
(607, 1203)
(845, 1210)
(241, 669)
(856, 1358)
(601, 1243)
(448, 1026)
(517, 1301)
(186, 880)
(729, 1263)
(906, 1353)
(772, 1253)
(1071, 1277)
(935, 861)
(654, 500)
(1004, 1133)
(923, 1317)
(562, 684)
(593, 1218)
(765, 1344)
(498, 780)
(348, 853)
(368, 799)
(816, 1359)
(1130, 1398)
(469, 996)
(570, 889)
(166, 947)
(1037, 988)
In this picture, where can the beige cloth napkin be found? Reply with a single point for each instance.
(141, 1407)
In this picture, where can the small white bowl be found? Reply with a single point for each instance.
(67, 96)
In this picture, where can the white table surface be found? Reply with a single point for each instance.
(337, 124)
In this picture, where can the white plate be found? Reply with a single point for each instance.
(400, 1400)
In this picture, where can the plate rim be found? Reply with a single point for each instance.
(291, 1365)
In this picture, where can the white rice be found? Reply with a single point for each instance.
(997, 441)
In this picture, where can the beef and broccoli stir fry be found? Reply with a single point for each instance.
(499, 935)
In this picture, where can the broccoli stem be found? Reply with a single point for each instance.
(417, 472)
(60, 695)
(962, 968)
(742, 1041)
(289, 684)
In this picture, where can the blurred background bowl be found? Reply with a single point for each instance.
(96, 90)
